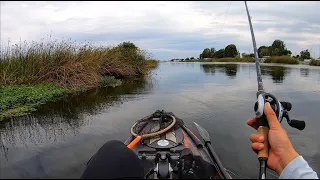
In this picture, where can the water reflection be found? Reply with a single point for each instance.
(59, 120)
(304, 72)
(229, 69)
(43, 145)
(277, 73)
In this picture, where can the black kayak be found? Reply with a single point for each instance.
(178, 153)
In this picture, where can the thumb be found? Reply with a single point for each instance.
(271, 117)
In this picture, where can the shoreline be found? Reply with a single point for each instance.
(19, 100)
(274, 60)
(34, 74)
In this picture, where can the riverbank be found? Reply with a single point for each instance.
(282, 60)
(274, 59)
(315, 62)
(222, 60)
(18, 100)
(41, 72)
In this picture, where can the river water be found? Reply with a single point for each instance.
(57, 140)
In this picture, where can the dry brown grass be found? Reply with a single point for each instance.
(68, 65)
(282, 60)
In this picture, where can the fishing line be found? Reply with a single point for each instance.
(225, 17)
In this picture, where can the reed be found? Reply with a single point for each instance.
(314, 62)
(282, 60)
(66, 64)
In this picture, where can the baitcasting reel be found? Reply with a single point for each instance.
(280, 108)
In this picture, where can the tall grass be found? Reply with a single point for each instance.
(282, 60)
(151, 64)
(315, 62)
(66, 64)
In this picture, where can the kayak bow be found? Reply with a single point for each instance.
(177, 153)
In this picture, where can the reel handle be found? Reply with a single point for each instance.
(286, 105)
(298, 124)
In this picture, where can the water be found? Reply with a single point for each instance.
(58, 139)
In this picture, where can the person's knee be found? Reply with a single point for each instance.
(112, 145)
(114, 160)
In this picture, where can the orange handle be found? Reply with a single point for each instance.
(134, 142)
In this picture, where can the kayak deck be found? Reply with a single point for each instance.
(176, 154)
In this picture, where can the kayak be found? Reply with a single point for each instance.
(178, 153)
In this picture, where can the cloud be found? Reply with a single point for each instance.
(166, 29)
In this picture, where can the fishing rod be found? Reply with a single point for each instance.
(280, 108)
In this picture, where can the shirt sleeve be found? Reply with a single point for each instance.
(298, 169)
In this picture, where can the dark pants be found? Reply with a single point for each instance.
(113, 160)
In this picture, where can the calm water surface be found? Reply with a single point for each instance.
(58, 139)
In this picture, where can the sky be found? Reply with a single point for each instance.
(167, 30)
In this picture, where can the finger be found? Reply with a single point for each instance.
(271, 117)
(256, 138)
(253, 122)
(257, 146)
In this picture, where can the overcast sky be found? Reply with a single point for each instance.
(166, 29)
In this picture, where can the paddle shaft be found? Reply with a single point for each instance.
(193, 137)
(215, 158)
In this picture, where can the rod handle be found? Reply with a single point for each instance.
(264, 130)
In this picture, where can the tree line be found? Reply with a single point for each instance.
(229, 51)
(278, 48)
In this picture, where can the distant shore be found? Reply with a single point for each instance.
(274, 59)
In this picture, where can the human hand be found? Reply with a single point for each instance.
(281, 151)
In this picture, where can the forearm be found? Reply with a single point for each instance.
(298, 169)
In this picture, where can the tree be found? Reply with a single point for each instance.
(264, 51)
(278, 44)
(260, 49)
(219, 54)
(206, 53)
(279, 48)
(128, 45)
(245, 55)
(212, 51)
(230, 51)
(287, 52)
(187, 59)
(304, 55)
(192, 58)
(275, 51)
(238, 55)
